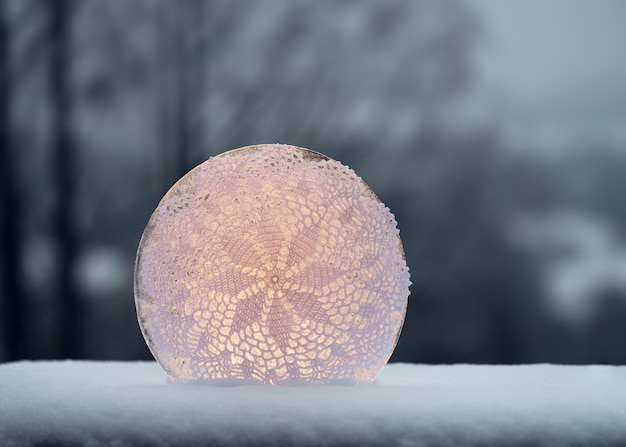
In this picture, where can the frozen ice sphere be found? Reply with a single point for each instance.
(271, 263)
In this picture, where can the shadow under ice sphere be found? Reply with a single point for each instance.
(271, 263)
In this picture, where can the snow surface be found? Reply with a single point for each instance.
(130, 403)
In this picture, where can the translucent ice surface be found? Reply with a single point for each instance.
(271, 263)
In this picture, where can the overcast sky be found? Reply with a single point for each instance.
(558, 60)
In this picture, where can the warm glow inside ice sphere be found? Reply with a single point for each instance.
(271, 263)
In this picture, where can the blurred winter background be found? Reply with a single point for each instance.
(494, 130)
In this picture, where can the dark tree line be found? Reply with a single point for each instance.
(105, 104)
(176, 82)
(15, 305)
(180, 60)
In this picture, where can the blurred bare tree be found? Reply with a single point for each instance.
(12, 293)
(64, 174)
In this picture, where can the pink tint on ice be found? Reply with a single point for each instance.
(271, 263)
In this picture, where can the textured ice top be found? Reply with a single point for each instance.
(115, 403)
(271, 263)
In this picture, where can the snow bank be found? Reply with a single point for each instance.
(130, 403)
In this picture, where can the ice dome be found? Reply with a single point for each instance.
(271, 263)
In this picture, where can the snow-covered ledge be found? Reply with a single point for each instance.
(129, 403)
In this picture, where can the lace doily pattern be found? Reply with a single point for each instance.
(271, 263)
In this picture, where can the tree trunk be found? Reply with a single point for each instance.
(64, 175)
(190, 38)
(10, 253)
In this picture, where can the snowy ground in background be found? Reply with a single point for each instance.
(129, 403)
